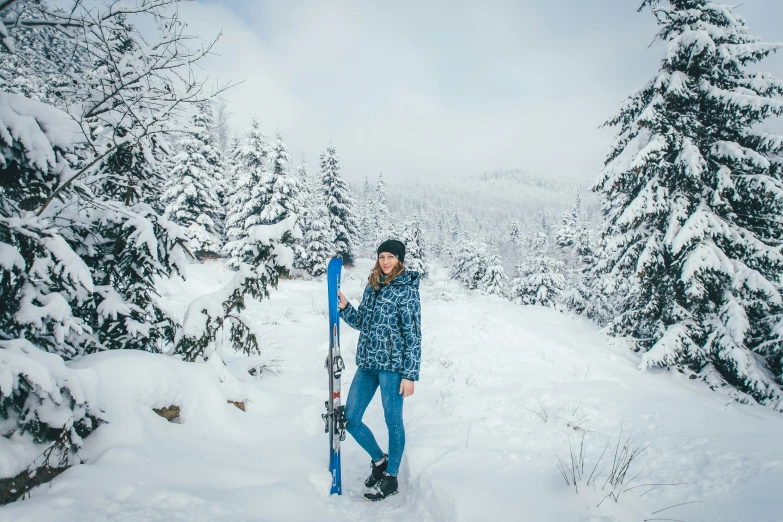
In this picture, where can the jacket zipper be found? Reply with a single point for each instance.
(372, 312)
(391, 345)
(372, 318)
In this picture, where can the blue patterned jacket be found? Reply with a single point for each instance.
(389, 322)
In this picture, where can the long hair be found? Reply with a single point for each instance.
(375, 276)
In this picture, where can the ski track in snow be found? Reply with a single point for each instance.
(477, 444)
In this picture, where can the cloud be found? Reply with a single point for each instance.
(439, 88)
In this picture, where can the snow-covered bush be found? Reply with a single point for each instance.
(273, 256)
(41, 398)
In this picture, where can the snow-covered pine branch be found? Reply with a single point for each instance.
(42, 399)
(272, 256)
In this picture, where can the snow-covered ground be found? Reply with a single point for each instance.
(503, 388)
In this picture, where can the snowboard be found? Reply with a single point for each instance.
(334, 418)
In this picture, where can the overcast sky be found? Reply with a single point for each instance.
(446, 88)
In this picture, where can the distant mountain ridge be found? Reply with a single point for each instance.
(524, 177)
(490, 199)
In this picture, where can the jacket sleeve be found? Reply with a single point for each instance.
(410, 318)
(353, 317)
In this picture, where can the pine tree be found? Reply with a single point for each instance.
(220, 128)
(513, 233)
(282, 198)
(439, 237)
(302, 174)
(191, 194)
(470, 264)
(249, 196)
(579, 296)
(380, 197)
(414, 248)
(369, 220)
(495, 281)
(692, 198)
(383, 223)
(340, 206)
(569, 224)
(540, 280)
(81, 238)
(230, 176)
(461, 258)
(318, 242)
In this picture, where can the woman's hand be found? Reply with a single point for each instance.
(406, 388)
(343, 301)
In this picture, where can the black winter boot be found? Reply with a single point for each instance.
(377, 471)
(385, 487)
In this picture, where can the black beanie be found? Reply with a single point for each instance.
(394, 247)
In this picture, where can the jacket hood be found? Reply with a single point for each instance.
(407, 277)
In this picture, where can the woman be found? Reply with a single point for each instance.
(388, 356)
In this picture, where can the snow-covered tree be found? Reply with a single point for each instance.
(456, 229)
(569, 224)
(191, 193)
(495, 281)
(414, 248)
(437, 237)
(316, 245)
(282, 189)
(220, 128)
(317, 241)
(692, 197)
(368, 220)
(230, 173)
(249, 195)
(540, 280)
(383, 224)
(81, 239)
(340, 206)
(303, 178)
(470, 264)
(380, 194)
(513, 233)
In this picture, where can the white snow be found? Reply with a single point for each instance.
(503, 388)
(37, 126)
(10, 257)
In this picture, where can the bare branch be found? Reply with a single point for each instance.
(34, 22)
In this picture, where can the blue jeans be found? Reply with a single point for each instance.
(363, 388)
